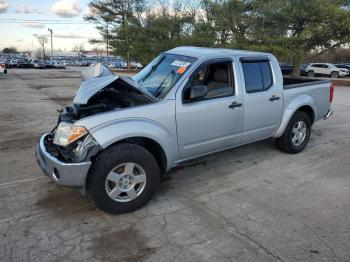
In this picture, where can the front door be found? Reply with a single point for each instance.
(215, 121)
(263, 100)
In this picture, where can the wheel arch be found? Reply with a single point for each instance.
(152, 136)
(307, 109)
(152, 146)
(303, 103)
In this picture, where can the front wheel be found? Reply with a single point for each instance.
(296, 135)
(123, 178)
(334, 74)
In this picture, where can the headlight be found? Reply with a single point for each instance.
(67, 133)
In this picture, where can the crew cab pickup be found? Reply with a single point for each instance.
(121, 134)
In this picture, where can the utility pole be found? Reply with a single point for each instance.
(50, 30)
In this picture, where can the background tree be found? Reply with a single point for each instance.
(79, 48)
(119, 15)
(9, 50)
(295, 27)
(290, 29)
(42, 40)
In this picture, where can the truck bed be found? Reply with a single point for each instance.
(294, 82)
(318, 90)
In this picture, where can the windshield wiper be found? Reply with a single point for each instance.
(161, 87)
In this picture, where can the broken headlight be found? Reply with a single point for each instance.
(67, 133)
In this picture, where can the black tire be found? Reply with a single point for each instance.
(112, 157)
(334, 75)
(310, 74)
(5, 71)
(285, 142)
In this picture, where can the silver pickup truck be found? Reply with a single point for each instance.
(121, 134)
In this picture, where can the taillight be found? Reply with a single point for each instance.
(331, 93)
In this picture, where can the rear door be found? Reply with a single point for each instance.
(326, 69)
(214, 122)
(263, 99)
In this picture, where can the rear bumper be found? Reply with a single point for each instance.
(66, 174)
(329, 114)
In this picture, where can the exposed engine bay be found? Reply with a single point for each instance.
(118, 94)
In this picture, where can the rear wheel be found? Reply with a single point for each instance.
(123, 178)
(334, 74)
(296, 135)
(311, 74)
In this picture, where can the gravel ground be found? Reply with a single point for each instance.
(252, 203)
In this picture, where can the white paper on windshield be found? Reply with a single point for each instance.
(180, 63)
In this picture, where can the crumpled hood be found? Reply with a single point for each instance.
(97, 77)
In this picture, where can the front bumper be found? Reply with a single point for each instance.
(66, 174)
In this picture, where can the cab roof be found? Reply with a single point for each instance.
(200, 52)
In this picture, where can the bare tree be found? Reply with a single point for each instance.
(79, 48)
(42, 40)
(39, 54)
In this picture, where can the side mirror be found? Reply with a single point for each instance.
(197, 92)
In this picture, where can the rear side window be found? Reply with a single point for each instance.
(257, 76)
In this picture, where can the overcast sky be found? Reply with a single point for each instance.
(17, 27)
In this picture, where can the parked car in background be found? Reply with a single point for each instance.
(303, 69)
(12, 63)
(49, 64)
(136, 65)
(121, 134)
(325, 69)
(3, 69)
(23, 63)
(286, 69)
(85, 63)
(38, 64)
(116, 64)
(343, 66)
(4, 62)
(58, 65)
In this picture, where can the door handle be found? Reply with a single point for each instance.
(274, 98)
(234, 105)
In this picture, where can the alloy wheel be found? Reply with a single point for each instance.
(299, 133)
(125, 182)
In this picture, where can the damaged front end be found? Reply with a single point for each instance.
(77, 151)
(69, 145)
(102, 91)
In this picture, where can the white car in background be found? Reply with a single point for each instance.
(325, 69)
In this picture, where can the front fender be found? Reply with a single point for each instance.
(114, 131)
(291, 108)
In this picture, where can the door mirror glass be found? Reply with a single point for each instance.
(197, 92)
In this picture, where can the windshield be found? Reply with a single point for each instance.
(159, 76)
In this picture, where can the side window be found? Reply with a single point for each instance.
(257, 76)
(217, 77)
(266, 74)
